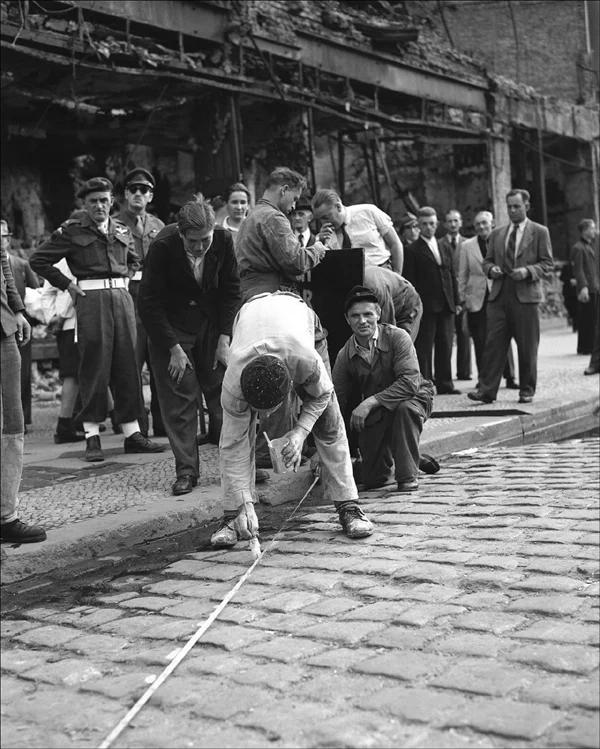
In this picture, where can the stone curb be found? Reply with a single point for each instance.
(82, 542)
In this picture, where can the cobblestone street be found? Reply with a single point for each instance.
(469, 619)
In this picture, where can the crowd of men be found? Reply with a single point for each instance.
(213, 310)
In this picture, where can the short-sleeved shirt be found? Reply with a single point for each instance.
(365, 225)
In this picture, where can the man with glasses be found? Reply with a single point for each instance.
(100, 254)
(139, 191)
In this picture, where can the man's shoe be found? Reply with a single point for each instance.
(591, 371)
(475, 395)
(408, 486)
(354, 522)
(261, 476)
(184, 485)
(448, 391)
(93, 450)
(525, 398)
(427, 464)
(137, 443)
(18, 532)
(511, 384)
(226, 534)
(68, 433)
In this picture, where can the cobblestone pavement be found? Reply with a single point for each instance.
(469, 619)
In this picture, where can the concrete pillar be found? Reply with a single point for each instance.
(500, 176)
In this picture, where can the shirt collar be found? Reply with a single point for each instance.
(521, 225)
(372, 341)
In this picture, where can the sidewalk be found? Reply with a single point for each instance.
(93, 510)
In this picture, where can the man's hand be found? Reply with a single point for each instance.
(292, 452)
(178, 363)
(326, 233)
(222, 351)
(23, 334)
(519, 274)
(496, 272)
(75, 291)
(584, 295)
(458, 309)
(246, 523)
(360, 413)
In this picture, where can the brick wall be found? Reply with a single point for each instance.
(551, 40)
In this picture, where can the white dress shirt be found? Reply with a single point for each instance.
(366, 225)
(433, 246)
(519, 237)
(305, 237)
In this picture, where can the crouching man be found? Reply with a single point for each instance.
(278, 344)
(380, 362)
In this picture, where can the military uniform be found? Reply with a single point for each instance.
(143, 234)
(106, 331)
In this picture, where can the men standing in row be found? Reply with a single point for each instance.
(428, 267)
(362, 225)
(187, 301)
(101, 257)
(144, 227)
(380, 362)
(454, 241)
(518, 257)
(473, 292)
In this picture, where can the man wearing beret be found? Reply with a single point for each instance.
(139, 191)
(277, 345)
(100, 254)
(381, 363)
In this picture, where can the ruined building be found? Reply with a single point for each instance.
(398, 103)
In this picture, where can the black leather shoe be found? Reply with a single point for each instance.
(67, 434)
(591, 371)
(428, 464)
(512, 384)
(18, 532)
(525, 398)
(448, 391)
(93, 450)
(475, 395)
(184, 485)
(137, 443)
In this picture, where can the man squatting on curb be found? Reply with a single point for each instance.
(273, 350)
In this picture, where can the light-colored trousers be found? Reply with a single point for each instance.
(12, 427)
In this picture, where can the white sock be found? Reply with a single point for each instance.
(131, 427)
(91, 429)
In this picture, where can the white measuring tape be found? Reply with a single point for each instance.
(126, 720)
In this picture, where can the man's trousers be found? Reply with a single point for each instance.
(434, 348)
(12, 427)
(179, 402)
(478, 327)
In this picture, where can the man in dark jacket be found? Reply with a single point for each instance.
(380, 362)
(187, 301)
(428, 266)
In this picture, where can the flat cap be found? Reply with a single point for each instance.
(359, 294)
(409, 219)
(6, 232)
(96, 184)
(139, 176)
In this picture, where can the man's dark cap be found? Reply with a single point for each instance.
(265, 382)
(359, 294)
(303, 204)
(96, 184)
(409, 219)
(139, 176)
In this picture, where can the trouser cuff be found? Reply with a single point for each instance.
(348, 503)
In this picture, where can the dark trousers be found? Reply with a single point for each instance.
(26, 380)
(509, 318)
(477, 327)
(143, 357)
(434, 342)
(595, 359)
(179, 402)
(390, 440)
(586, 323)
(106, 336)
(463, 346)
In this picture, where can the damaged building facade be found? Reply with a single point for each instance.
(398, 103)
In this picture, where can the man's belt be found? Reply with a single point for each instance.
(92, 284)
(137, 276)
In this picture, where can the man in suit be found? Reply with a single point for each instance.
(300, 219)
(473, 292)
(454, 241)
(428, 266)
(187, 301)
(144, 227)
(518, 257)
(586, 278)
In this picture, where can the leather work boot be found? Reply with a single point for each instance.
(226, 534)
(93, 449)
(66, 432)
(18, 532)
(137, 443)
(354, 522)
